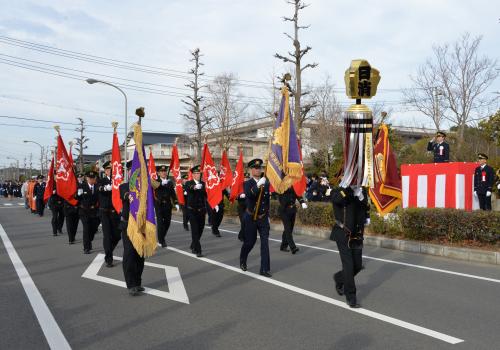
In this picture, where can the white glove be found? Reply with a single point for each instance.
(216, 208)
(488, 193)
(198, 186)
(177, 207)
(34, 198)
(358, 192)
(367, 222)
(475, 193)
(243, 195)
(54, 192)
(164, 181)
(80, 191)
(261, 182)
(185, 193)
(304, 206)
(108, 187)
(498, 186)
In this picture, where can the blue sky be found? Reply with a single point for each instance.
(235, 36)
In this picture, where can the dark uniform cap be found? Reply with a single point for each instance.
(184, 177)
(255, 163)
(91, 174)
(128, 165)
(79, 175)
(440, 133)
(195, 169)
(107, 165)
(482, 156)
(161, 168)
(246, 175)
(40, 176)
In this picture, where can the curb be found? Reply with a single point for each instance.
(464, 254)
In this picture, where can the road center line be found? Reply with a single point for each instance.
(50, 328)
(394, 321)
(449, 272)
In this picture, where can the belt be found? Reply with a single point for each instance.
(91, 207)
(197, 209)
(258, 216)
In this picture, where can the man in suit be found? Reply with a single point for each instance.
(484, 176)
(439, 148)
(196, 205)
(256, 217)
(56, 204)
(110, 219)
(165, 198)
(71, 215)
(88, 197)
(287, 211)
(185, 218)
(38, 192)
(217, 214)
(242, 206)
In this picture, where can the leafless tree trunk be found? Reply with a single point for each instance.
(300, 111)
(80, 143)
(224, 111)
(194, 116)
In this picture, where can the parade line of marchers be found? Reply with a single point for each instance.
(134, 201)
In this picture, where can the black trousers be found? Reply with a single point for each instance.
(111, 233)
(484, 202)
(185, 217)
(72, 224)
(133, 263)
(287, 216)
(241, 216)
(251, 228)
(57, 218)
(216, 218)
(40, 206)
(163, 219)
(351, 264)
(197, 222)
(90, 223)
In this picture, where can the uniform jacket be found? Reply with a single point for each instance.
(105, 201)
(165, 194)
(252, 195)
(441, 151)
(56, 201)
(124, 192)
(195, 199)
(483, 179)
(349, 210)
(39, 190)
(288, 199)
(88, 200)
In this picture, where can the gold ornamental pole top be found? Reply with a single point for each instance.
(361, 80)
(176, 139)
(114, 125)
(57, 128)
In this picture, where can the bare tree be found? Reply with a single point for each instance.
(194, 115)
(80, 143)
(224, 111)
(300, 111)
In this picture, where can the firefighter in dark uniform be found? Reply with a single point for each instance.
(88, 197)
(110, 219)
(484, 176)
(196, 205)
(242, 206)
(56, 205)
(185, 217)
(133, 263)
(71, 216)
(256, 217)
(217, 214)
(165, 198)
(351, 211)
(287, 211)
(439, 148)
(38, 192)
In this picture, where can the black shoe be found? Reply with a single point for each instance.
(353, 304)
(163, 244)
(186, 228)
(295, 250)
(86, 251)
(339, 288)
(243, 266)
(134, 291)
(71, 242)
(266, 274)
(284, 249)
(141, 289)
(217, 235)
(240, 238)
(59, 231)
(199, 255)
(54, 234)
(109, 264)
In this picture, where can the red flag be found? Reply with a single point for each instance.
(202, 164)
(175, 167)
(212, 181)
(190, 174)
(116, 174)
(49, 188)
(65, 176)
(70, 155)
(238, 180)
(300, 186)
(151, 165)
(225, 174)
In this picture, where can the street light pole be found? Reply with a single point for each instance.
(41, 153)
(93, 81)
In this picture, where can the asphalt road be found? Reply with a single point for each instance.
(410, 301)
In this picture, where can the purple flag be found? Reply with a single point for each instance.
(142, 223)
(284, 166)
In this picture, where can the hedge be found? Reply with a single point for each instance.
(427, 224)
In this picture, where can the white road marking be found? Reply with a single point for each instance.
(176, 292)
(50, 328)
(449, 272)
(394, 321)
(8, 204)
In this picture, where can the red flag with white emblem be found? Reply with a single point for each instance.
(175, 167)
(151, 165)
(49, 188)
(116, 174)
(238, 180)
(65, 176)
(225, 173)
(212, 180)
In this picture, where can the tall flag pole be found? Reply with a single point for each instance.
(238, 179)
(151, 165)
(226, 175)
(116, 171)
(386, 194)
(65, 176)
(49, 188)
(300, 186)
(283, 167)
(175, 167)
(70, 154)
(141, 228)
(211, 178)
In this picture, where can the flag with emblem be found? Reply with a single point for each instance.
(65, 177)
(142, 223)
(175, 167)
(225, 173)
(211, 178)
(238, 180)
(116, 174)
(284, 166)
(152, 165)
(49, 188)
